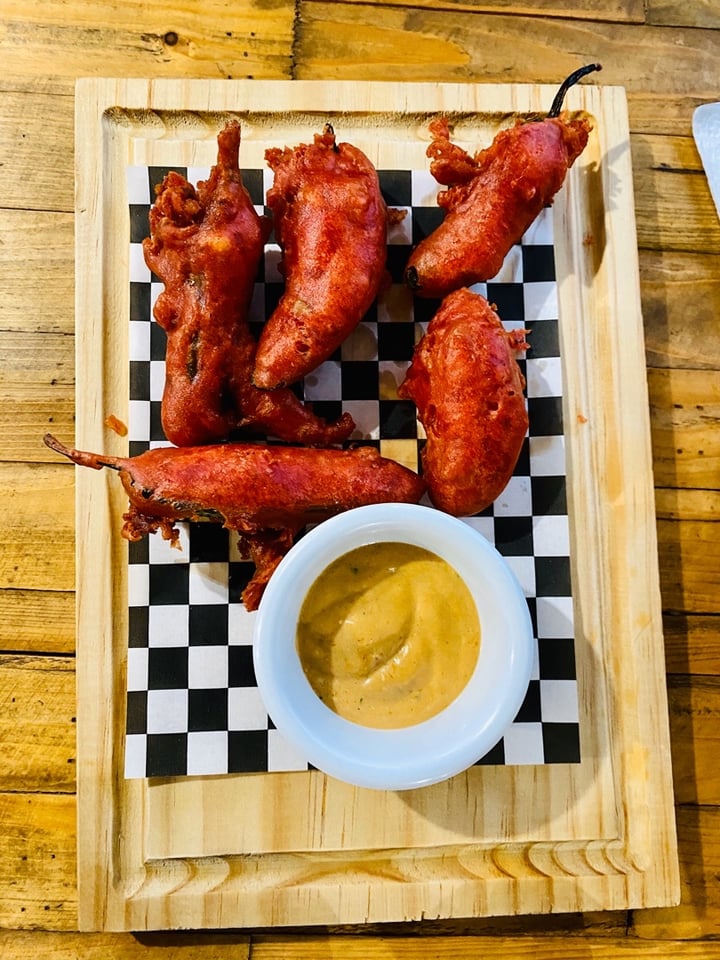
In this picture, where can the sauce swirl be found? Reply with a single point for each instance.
(388, 635)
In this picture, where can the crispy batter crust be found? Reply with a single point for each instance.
(205, 245)
(264, 492)
(468, 390)
(331, 223)
(491, 200)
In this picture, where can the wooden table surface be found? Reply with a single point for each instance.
(666, 53)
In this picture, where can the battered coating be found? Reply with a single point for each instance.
(266, 493)
(205, 244)
(331, 222)
(491, 200)
(468, 389)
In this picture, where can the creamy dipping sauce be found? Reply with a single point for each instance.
(388, 635)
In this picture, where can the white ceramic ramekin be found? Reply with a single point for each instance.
(458, 736)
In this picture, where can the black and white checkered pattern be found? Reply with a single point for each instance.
(193, 707)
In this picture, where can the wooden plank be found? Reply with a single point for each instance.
(600, 923)
(37, 393)
(361, 946)
(38, 288)
(630, 11)
(26, 413)
(37, 861)
(689, 552)
(36, 360)
(444, 45)
(684, 415)
(162, 40)
(23, 945)
(38, 621)
(38, 498)
(378, 841)
(698, 914)
(675, 209)
(33, 123)
(37, 724)
(670, 114)
(692, 644)
(335, 40)
(675, 13)
(464, 948)
(70, 946)
(695, 738)
(681, 304)
(37, 870)
(688, 505)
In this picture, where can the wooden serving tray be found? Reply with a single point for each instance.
(294, 848)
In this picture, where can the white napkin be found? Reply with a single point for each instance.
(706, 130)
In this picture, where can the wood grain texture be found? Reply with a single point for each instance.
(404, 860)
(38, 621)
(16, 945)
(675, 13)
(439, 45)
(689, 553)
(684, 416)
(695, 733)
(36, 259)
(182, 946)
(468, 948)
(37, 724)
(669, 72)
(673, 203)
(38, 498)
(135, 39)
(36, 123)
(37, 861)
(37, 393)
(692, 505)
(698, 914)
(70, 946)
(631, 11)
(37, 875)
(692, 644)
(681, 303)
(670, 114)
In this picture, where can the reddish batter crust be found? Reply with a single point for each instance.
(205, 245)
(331, 223)
(491, 200)
(468, 390)
(265, 493)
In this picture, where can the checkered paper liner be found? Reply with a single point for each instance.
(193, 706)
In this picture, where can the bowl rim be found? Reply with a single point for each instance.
(437, 748)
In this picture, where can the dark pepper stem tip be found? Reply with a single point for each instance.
(329, 131)
(80, 457)
(570, 81)
(412, 279)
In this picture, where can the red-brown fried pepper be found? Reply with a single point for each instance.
(468, 389)
(205, 244)
(331, 223)
(266, 493)
(494, 196)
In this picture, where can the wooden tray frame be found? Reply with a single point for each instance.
(300, 848)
